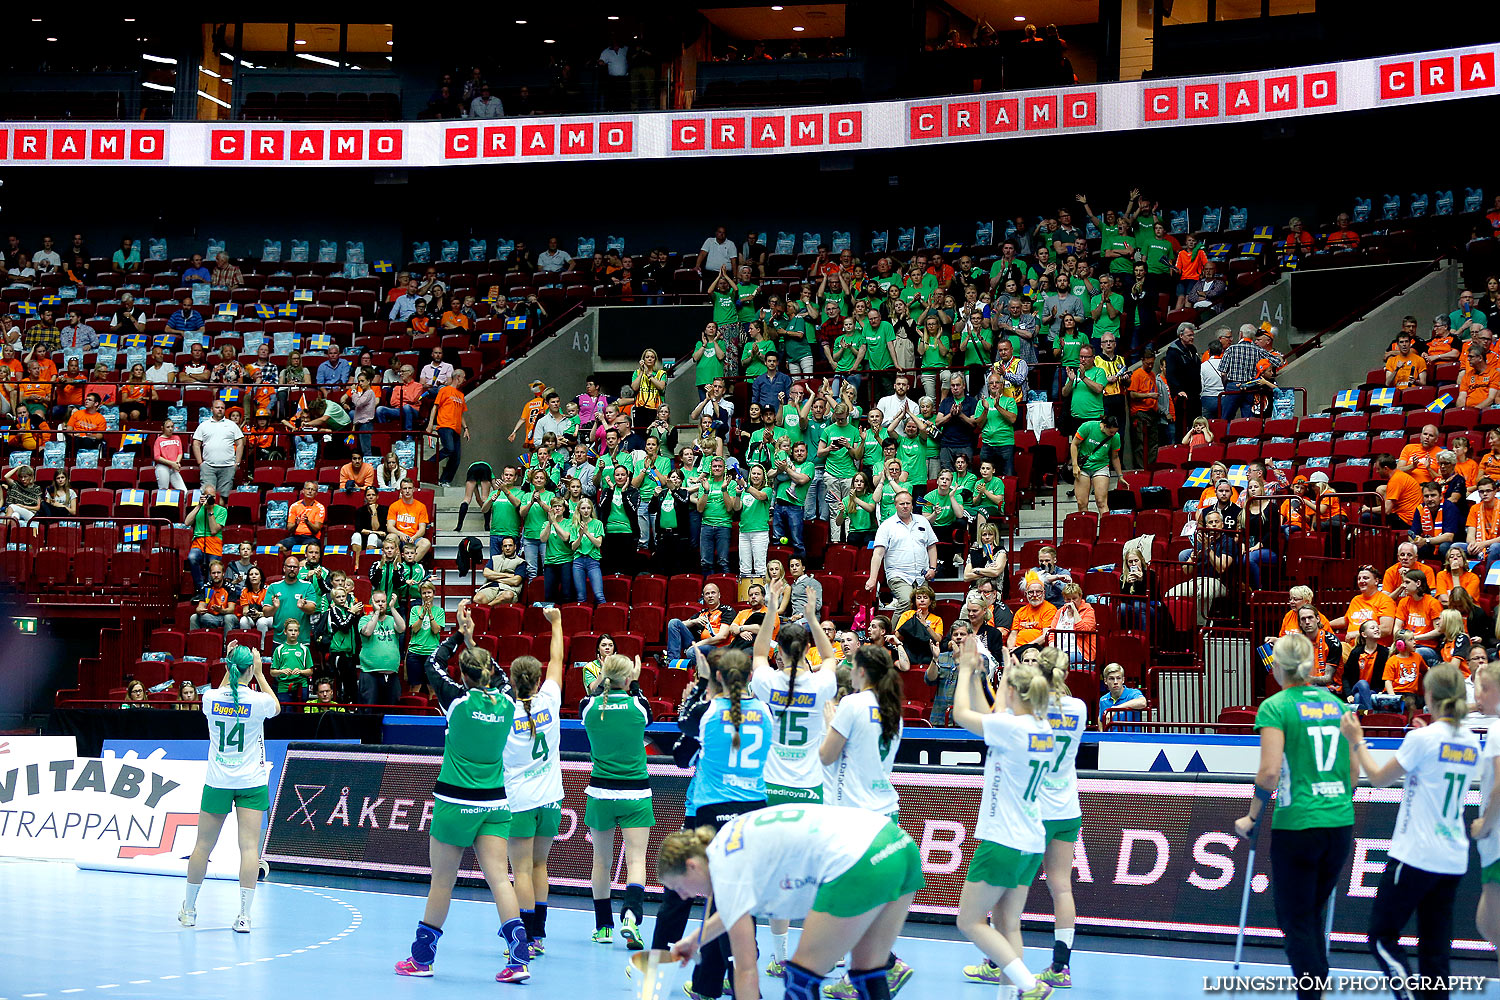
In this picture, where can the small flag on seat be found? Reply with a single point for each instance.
(1440, 404)
(302, 295)
(228, 310)
(1347, 399)
(1200, 477)
(135, 533)
(26, 308)
(952, 247)
(265, 311)
(230, 394)
(383, 266)
(490, 336)
(287, 310)
(515, 322)
(166, 341)
(131, 498)
(133, 438)
(51, 300)
(1383, 397)
(135, 342)
(319, 342)
(109, 340)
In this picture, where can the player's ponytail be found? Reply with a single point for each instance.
(525, 678)
(733, 668)
(1445, 692)
(681, 845)
(1031, 686)
(881, 675)
(1293, 657)
(476, 667)
(793, 645)
(617, 669)
(239, 663)
(1055, 669)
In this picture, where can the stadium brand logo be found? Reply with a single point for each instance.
(835, 128)
(572, 138)
(83, 144)
(1442, 75)
(1237, 98)
(305, 145)
(1029, 113)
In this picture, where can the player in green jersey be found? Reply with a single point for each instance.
(471, 809)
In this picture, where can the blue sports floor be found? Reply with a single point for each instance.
(71, 933)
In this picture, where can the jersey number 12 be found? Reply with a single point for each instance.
(744, 755)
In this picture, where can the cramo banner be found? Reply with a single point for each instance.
(1359, 85)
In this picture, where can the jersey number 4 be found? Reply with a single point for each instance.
(232, 737)
(539, 746)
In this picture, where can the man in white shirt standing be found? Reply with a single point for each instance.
(552, 260)
(551, 420)
(615, 61)
(717, 252)
(1213, 382)
(906, 545)
(218, 445)
(899, 406)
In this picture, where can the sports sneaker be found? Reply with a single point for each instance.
(187, 917)
(513, 974)
(242, 924)
(1058, 979)
(1041, 991)
(604, 935)
(631, 934)
(985, 972)
(688, 989)
(776, 970)
(841, 990)
(897, 976)
(538, 947)
(411, 967)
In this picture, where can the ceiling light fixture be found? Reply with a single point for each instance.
(168, 60)
(208, 72)
(798, 27)
(389, 42)
(520, 22)
(1019, 17)
(158, 86)
(211, 97)
(130, 20)
(777, 7)
(317, 59)
(613, 17)
(51, 39)
(301, 41)
(549, 41)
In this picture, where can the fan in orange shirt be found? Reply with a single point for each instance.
(1489, 462)
(1406, 368)
(1300, 598)
(1405, 669)
(449, 421)
(1032, 619)
(1417, 616)
(1406, 560)
(1455, 644)
(1368, 605)
(1400, 494)
(1419, 458)
(88, 424)
(1484, 523)
(1456, 573)
(409, 516)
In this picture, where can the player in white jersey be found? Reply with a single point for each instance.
(533, 779)
(849, 874)
(797, 695)
(236, 777)
(1062, 819)
(1485, 831)
(858, 753)
(1429, 850)
(1021, 751)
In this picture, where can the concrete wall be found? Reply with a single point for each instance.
(562, 361)
(1272, 304)
(1345, 356)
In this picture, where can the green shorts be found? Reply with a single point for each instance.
(891, 868)
(606, 814)
(543, 821)
(1063, 829)
(460, 825)
(1002, 867)
(781, 794)
(1490, 873)
(219, 801)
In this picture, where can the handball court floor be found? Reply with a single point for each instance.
(71, 933)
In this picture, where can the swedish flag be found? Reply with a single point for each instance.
(134, 437)
(1239, 475)
(1347, 399)
(490, 336)
(110, 340)
(287, 310)
(1266, 654)
(1200, 477)
(1440, 404)
(51, 300)
(26, 308)
(302, 295)
(135, 533)
(265, 311)
(228, 310)
(1383, 397)
(952, 247)
(383, 266)
(135, 342)
(515, 322)
(319, 342)
(166, 341)
(1263, 233)
(230, 394)
(132, 498)
(266, 550)
(167, 497)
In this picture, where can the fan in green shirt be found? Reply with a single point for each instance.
(534, 506)
(291, 598)
(791, 419)
(911, 452)
(1070, 342)
(788, 490)
(708, 356)
(1099, 307)
(653, 470)
(1096, 447)
(755, 503)
(725, 309)
(938, 504)
(796, 335)
(841, 446)
(504, 505)
(380, 646)
(744, 294)
(995, 430)
(753, 353)
(1123, 247)
(424, 614)
(558, 535)
(986, 487)
(877, 338)
(848, 348)
(720, 495)
(1085, 401)
(978, 346)
(1157, 248)
(292, 661)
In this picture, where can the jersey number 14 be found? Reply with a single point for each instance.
(233, 737)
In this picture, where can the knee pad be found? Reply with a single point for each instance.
(424, 948)
(802, 983)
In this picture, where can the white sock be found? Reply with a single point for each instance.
(192, 895)
(247, 896)
(1008, 992)
(1018, 974)
(778, 945)
(1065, 935)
